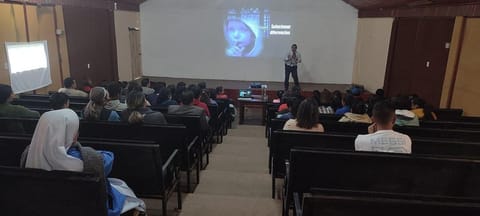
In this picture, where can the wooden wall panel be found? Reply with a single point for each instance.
(466, 90)
(91, 44)
(450, 10)
(12, 29)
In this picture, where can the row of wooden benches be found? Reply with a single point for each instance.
(147, 157)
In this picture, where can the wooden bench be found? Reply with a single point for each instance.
(358, 203)
(284, 141)
(380, 172)
(26, 192)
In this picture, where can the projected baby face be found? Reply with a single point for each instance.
(240, 38)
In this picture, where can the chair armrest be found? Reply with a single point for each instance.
(298, 204)
(169, 161)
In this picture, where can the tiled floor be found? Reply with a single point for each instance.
(235, 183)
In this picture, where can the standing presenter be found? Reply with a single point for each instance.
(292, 59)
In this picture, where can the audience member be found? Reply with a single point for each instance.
(146, 87)
(87, 86)
(202, 85)
(347, 101)
(14, 111)
(221, 93)
(179, 92)
(59, 101)
(325, 101)
(337, 97)
(54, 146)
(377, 97)
(95, 110)
(165, 98)
(306, 118)
(292, 110)
(133, 86)
(381, 137)
(138, 112)
(196, 99)
(422, 110)
(114, 89)
(187, 108)
(405, 117)
(70, 88)
(279, 96)
(358, 114)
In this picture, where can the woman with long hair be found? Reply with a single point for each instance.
(95, 110)
(306, 118)
(138, 112)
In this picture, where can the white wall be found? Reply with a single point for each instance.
(373, 40)
(123, 20)
(184, 39)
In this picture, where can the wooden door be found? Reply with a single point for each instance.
(91, 44)
(418, 57)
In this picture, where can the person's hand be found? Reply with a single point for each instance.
(372, 128)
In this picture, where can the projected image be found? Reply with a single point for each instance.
(244, 32)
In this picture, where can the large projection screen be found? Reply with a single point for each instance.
(28, 65)
(248, 40)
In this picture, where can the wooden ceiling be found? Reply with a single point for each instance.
(390, 4)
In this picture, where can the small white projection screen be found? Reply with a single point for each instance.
(248, 39)
(28, 64)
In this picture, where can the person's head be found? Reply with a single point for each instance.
(69, 83)
(380, 92)
(383, 114)
(202, 85)
(280, 93)
(316, 96)
(296, 91)
(6, 93)
(294, 107)
(164, 95)
(145, 82)
(307, 114)
(205, 96)
(133, 86)
(401, 103)
(418, 103)
(181, 85)
(135, 101)
(294, 47)
(59, 101)
(56, 132)
(114, 89)
(196, 91)
(359, 107)
(98, 98)
(219, 90)
(187, 97)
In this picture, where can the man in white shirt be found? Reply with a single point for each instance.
(291, 60)
(70, 88)
(381, 137)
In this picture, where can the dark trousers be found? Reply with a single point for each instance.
(293, 71)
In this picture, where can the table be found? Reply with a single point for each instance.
(250, 102)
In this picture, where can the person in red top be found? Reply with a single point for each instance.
(220, 93)
(196, 100)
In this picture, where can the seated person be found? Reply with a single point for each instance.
(13, 111)
(405, 117)
(292, 110)
(138, 112)
(95, 110)
(221, 93)
(422, 111)
(59, 101)
(381, 137)
(324, 101)
(347, 101)
(279, 96)
(187, 108)
(306, 118)
(205, 98)
(114, 89)
(54, 146)
(146, 87)
(196, 99)
(358, 114)
(165, 98)
(202, 85)
(70, 88)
